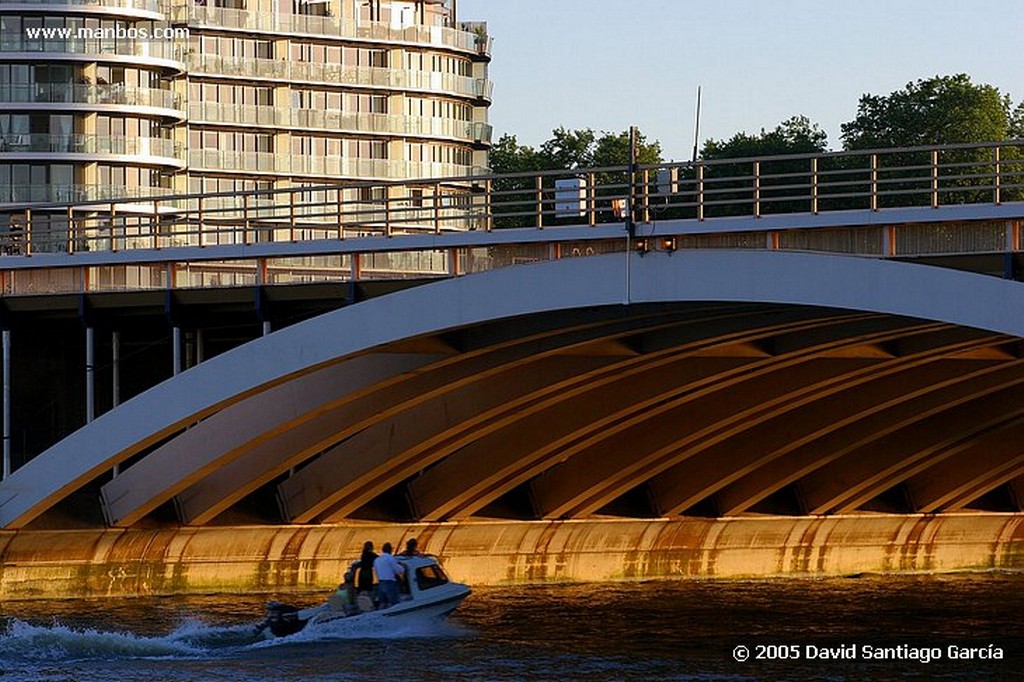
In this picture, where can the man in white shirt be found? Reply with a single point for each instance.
(388, 569)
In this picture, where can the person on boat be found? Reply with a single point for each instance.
(388, 569)
(411, 549)
(364, 580)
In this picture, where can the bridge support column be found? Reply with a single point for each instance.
(115, 380)
(90, 374)
(7, 401)
(176, 341)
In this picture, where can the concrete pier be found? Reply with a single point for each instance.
(281, 559)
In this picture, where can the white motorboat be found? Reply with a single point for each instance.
(426, 593)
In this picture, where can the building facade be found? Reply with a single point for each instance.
(131, 98)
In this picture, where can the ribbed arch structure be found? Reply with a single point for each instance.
(710, 382)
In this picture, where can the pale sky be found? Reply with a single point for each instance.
(609, 64)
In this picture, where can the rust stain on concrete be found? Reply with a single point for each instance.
(278, 559)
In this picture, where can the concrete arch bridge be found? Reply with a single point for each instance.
(709, 383)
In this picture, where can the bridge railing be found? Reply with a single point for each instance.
(873, 180)
(702, 190)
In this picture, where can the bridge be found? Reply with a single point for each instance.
(809, 335)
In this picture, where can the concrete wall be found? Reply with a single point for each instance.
(58, 564)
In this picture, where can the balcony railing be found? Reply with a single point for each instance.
(336, 74)
(277, 117)
(156, 6)
(270, 162)
(471, 38)
(732, 194)
(56, 93)
(90, 144)
(18, 41)
(73, 194)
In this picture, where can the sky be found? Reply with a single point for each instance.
(609, 64)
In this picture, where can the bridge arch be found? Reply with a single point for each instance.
(397, 390)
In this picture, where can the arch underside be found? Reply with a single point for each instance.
(699, 408)
(686, 407)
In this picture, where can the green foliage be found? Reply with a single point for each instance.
(728, 186)
(798, 135)
(565, 150)
(940, 110)
(569, 149)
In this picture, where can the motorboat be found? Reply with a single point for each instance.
(426, 593)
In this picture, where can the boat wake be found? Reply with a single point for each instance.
(192, 640)
(26, 641)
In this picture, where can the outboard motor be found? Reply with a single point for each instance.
(282, 619)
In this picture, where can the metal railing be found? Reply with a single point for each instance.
(364, 76)
(19, 41)
(469, 37)
(66, 93)
(874, 180)
(90, 144)
(328, 119)
(155, 6)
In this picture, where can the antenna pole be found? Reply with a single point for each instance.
(696, 128)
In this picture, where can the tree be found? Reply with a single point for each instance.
(732, 184)
(940, 110)
(797, 135)
(570, 149)
(937, 111)
(564, 150)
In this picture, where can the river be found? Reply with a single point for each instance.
(864, 628)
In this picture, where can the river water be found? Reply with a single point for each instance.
(881, 628)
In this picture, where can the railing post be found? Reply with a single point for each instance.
(28, 231)
(199, 221)
(700, 192)
(245, 219)
(998, 180)
(291, 215)
(540, 201)
(757, 189)
(935, 178)
(113, 227)
(387, 210)
(341, 214)
(488, 205)
(647, 195)
(591, 199)
(71, 230)
(874, 182)
(156, 225)
(814, 185)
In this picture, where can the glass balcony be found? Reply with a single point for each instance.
(17, 194)
(152, 49)
(216, 112)
(331, 166)
(334, 74)
(156, 6)
(470, 37)
(90, 144)
(90, 94)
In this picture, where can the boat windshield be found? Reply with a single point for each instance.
(430, 576)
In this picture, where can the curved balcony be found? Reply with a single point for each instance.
(102, 96)
(268, 162)
(470, 38)
(335, 74)
(24, 194)
(335, 121)
(145, 150)
(19, 46)
(141, 9)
